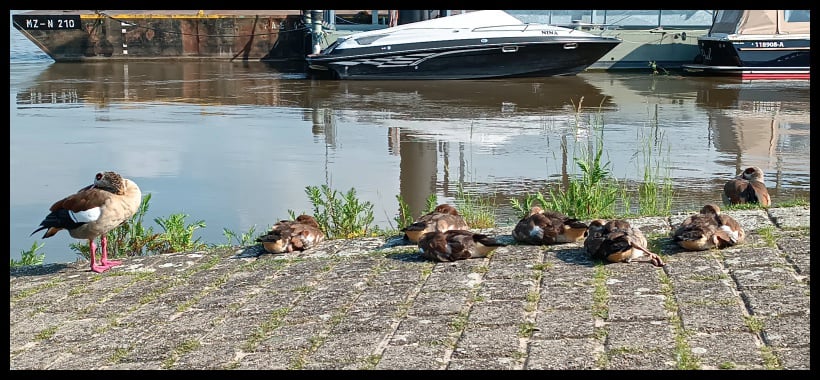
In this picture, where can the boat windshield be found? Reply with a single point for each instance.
(619, 19)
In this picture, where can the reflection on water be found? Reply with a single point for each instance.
(236, 144)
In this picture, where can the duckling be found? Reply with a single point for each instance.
(747, 187)
(443, 218)
(452, 245)
(292, 235)
(548, 227)
(617, 241)
(708, 229)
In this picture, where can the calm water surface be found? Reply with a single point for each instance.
(236, 144)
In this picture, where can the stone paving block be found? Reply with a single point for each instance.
(434, 331)
(564, 323)
(711, 317)
(414, 357)
(644, 360)
(748, 258)
(763, 277)
(652, 225)
(506, 289)
(726, 350)
(633, 278)
(802, 265)
(295, 337)
(485, 342)
(791, 217)
(751, 220)
(351, 347)
(498, 312)
(511, 270)
(438, 303)
(572, 253)
(516, 255)
(566, 297)
(705, 292)
(789, 299)
(643, 307)
(787, 330)
(448, 281)
(794, 357)
(641, 336)
(280, 360)
(563, 274)
(569, 354)
(795, 244)
(492, 363)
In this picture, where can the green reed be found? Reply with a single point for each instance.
(655, 191)
(478, 212)
(29, 256)
(340, 215)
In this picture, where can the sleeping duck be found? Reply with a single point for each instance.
(443, 218)
(708, 229)
(617, 241)
(541, 227)
(455, 245)
(292, 235)
(747, 187)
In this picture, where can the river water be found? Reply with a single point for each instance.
(235, 145)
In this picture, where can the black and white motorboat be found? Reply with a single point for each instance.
(472, 45)
(756, 44)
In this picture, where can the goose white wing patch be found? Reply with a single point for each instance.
(86, 216)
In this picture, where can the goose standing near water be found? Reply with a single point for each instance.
(93, 211)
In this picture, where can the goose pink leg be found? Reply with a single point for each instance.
(94, 266)
(105, 260)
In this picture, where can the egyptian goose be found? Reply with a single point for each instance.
(93, 211)
(443, 218)
(292, 235)
(708, 229)
(617, 241)
(747, 187)
(541, 227)
(452, 245)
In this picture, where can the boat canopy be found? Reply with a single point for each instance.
(761, 22)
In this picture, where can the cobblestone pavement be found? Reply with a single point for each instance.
(374, 303)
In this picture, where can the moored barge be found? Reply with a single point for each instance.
(89, 35)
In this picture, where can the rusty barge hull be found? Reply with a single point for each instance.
(126, 35)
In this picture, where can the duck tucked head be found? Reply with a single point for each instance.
(446, 209)
(753, 173)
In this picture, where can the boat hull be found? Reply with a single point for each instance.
(127, 35)
(505, 60)
(775, 58)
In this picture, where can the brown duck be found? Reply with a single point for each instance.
(455, 245)
(292, 235)
(93, 211)
(617, 241)
(708, 229)
(747, 187)
(443, 218)
(541, 227)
